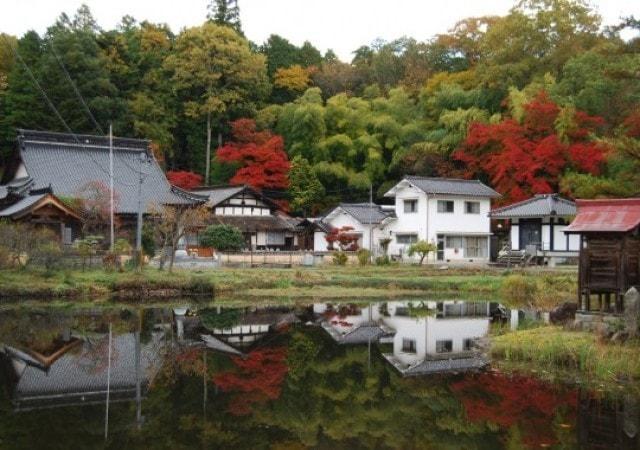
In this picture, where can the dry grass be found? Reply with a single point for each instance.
(551, 347)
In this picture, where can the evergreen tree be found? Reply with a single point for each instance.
(304, 186)
(225, 12)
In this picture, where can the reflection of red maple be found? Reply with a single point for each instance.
(256, 379)
(507, 401)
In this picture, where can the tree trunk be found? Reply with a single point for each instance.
(172, 257)
(208, 162)
(424, 255)
(163, 253)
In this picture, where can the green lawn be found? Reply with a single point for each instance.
(322, 282)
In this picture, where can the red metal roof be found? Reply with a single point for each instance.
(610, 215)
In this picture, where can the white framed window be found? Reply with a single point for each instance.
(454, 242)
(444, 346)
(472, 207)
(406, 238)
(475, 247)
(408, 345)
(445, 206)
(410, 206)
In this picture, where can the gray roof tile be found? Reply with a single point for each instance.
(22, 205)
(57, 160)
(364, 213)
(538, 206)
(451, 186)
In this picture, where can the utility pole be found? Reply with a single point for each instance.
(111, 235)
(143, 159)
(371, 222)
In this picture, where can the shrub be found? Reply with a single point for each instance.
(364, 256)
(223, 238)
(48, 253)
(148, 241)
(519, 290)
(340, 258)
(383, 260)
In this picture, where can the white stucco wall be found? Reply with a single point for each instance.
(341, 219)
(559, 237)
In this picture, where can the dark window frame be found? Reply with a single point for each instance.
(443, 207)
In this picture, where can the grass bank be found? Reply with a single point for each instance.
(317, 282)
(551, 348)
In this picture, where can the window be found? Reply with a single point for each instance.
(454, 242)
(445, 206)
(406, 238)
(275, 238)
(410, 206)
(408, 345)
(475, 247)
(444, 346)
(472, 207)
(467, 345)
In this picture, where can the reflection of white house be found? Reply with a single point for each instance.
(427, 337)
(538, 224)
(451, 213)
(441, 341)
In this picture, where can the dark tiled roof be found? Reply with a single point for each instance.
(17, 187)
(537, 206)
(364, 213)
(85, 371)
(57, 160)
(218, 194)
(22, 205)
(452, 186)
(428, 367)
(254, 223)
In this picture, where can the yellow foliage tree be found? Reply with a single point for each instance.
(295, 78)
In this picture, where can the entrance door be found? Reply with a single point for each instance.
(530, 232)
(440, 248)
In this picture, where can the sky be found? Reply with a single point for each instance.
(342, 25)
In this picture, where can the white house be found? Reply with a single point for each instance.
(369, 223)
(538, 225)
(453, 213)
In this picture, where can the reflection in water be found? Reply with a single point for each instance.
(323, 376)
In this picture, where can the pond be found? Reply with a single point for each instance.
(394, 374)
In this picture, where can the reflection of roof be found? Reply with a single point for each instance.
(613, 215)
(254, 223)
(364, 212)
(433, 366)
(449, 186)
(59, 161)
(218, 345)
(81, 376)
(537, 206)
(363, 334)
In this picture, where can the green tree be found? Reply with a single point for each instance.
(222, 238)
(422, 249)
(304, 186)
(225, 12)
(215, 67)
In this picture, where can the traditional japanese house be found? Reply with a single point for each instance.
(537, 228)
(64, 165)
(609, 233)
(262, 221)
(43, 209)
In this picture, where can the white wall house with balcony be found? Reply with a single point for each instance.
(452, 213)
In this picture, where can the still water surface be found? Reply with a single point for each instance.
(382, 375)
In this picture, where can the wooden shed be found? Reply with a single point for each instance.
(609, 251)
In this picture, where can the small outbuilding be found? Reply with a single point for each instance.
(538, 225)
(609, 233)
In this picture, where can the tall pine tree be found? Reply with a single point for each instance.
(225, 12)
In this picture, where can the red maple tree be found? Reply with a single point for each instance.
(263, 161)
(521, 401)
(184, 179)
(522, 159)
(346, 239)
(255, 379)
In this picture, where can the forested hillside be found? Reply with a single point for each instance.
(543, 99)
